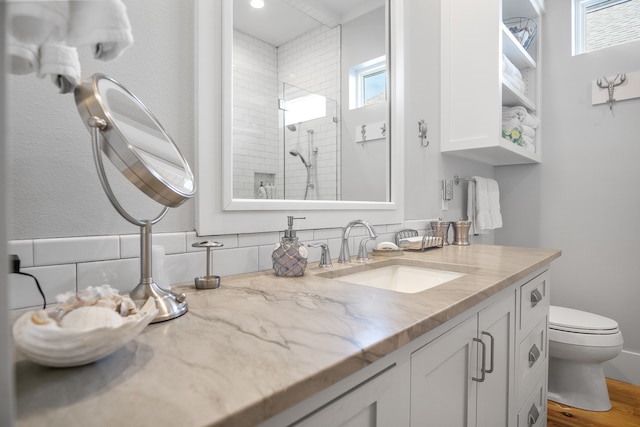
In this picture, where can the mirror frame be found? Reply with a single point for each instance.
(216, 211)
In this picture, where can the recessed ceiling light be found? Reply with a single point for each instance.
(258, 4)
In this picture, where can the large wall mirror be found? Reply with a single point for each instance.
(303, 113)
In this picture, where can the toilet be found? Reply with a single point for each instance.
(579, 344)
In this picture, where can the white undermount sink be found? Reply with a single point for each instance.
(401, 278)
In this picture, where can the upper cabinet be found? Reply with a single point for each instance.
(491, 80)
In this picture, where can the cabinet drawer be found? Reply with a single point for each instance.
(534, 301)
(531, 359)
(534, 411)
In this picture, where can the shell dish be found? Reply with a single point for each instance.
(85, 327)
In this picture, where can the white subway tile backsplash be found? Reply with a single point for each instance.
(67, 264)
(173, 243)
(121, 274)
(54, 280)
(256, 239)
(75, 249)
(265, 262)
(24, 250)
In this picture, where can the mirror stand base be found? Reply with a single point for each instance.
(169, 305)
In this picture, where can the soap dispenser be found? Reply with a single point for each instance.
(289, 255)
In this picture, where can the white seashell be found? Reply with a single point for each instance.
(53, 345)
(91, 317)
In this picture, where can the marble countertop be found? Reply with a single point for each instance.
(260, 344)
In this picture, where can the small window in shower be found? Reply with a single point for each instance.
(368, 83)
(603, 23)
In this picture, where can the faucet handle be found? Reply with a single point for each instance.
(325, 256)
(362, 250)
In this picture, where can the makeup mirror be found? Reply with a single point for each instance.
(131, 137)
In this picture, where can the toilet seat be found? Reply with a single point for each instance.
(581, 322)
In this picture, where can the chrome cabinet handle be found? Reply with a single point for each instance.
(533, 415)
(484, 359)
(534, 355)
(490, 370)
(536, 297)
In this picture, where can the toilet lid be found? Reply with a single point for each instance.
(570, 320)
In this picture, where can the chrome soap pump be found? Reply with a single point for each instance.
(289, 255)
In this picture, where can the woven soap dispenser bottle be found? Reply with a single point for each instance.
(289, 255)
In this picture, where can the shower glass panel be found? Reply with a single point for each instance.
(311, 149)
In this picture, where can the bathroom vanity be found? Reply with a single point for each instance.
(318, 350)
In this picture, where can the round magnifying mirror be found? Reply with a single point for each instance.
(135, 142)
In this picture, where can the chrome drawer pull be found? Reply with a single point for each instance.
(536, 297)
(484, 359)
(533, 415)
(490, 370)
(534, 355)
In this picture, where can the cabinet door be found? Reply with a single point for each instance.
(441, 386)
(370, 404)
(496, 329)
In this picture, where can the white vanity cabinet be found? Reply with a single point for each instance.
(485, 367)
(465, 376)
(473, 89)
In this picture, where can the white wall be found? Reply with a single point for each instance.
(583, 198)
(425, 168)
(54, 185)
(6, 366)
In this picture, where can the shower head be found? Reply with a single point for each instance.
(296, 153)
(291, 127)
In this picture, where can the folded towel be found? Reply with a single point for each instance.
(22, 57)
(35, 22)
(509, 69)
(483, 205)
(62, 64)
(103, 25)
(521, 114)
(516, 82)
(529, 143)
(513, 135)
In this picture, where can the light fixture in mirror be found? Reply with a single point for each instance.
(124, 129)
(363, 176)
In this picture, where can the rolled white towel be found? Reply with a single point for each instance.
(101, 24)
(62, 64)
(527, 131)
(521, 114)
(531, 121)
(529, 143)
(22, 57)
(35, 22)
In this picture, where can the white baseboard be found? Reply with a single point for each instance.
(625, 367)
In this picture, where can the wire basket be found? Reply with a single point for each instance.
(523, 29)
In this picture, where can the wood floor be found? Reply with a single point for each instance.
(625, 399)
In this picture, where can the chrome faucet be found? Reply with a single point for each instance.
(345, 256)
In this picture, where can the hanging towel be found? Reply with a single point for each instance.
(483, 205)
(62, 64)
(101, 24)
(22, 57)
(35, 22)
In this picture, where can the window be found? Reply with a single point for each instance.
(368, 83)
(604, 23)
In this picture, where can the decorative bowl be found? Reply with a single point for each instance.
(81, 331)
